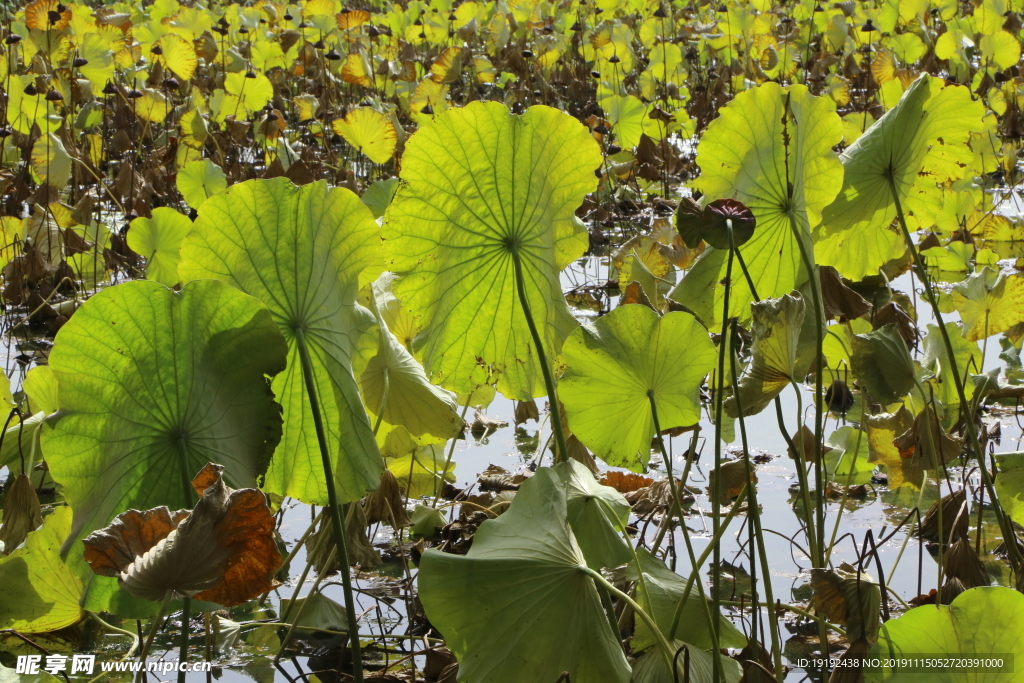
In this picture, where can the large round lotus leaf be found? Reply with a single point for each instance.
(615, 365)
(302, 252)
(153, 384)
(40, 593)
(770, 148)
(480, 186)
(981, 622)
(517, 607)
(919, 143)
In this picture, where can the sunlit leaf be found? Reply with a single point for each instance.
(199, 180)
(370, 132)
(524, 568)
(302, 251)
(482, 188)
(615, 366)
(158, 239)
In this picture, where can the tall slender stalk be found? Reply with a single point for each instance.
(1005, 525)
(333, 505)
(562, 453)
(675, 508)
(754, 520)
(716, 493)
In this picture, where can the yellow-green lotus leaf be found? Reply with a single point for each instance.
(302, 251)
(40, 592)
(158, 240)
(770, 148)
(919, 143)
(980, 623)
(482, 188)
(617, 364)
(989, 302)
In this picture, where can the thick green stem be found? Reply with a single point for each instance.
(716, 493)
(549, 378)
(667, 651)
(1005, 525)
(333, 505)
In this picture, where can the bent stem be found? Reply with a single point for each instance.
(667, 651)
(333, 505)
(562, 452)
(1005, 526)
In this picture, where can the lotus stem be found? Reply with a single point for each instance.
(716, 493)
(183, 652)
(674, 508)
(1005, 526)
(819, 340)
(562, 452)
(447, 460)
(715, 540)
(154, 627)
(302, 608)
(667, 651)
(110, 628)
(333, 505)
(754, 520)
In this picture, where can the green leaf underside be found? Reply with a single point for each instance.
(518, 607)
(140, 413)
(301, 251)
(919, 143)
(980, 622)
(40, 592)
(611, 367)
(480, 185)
(744, 156)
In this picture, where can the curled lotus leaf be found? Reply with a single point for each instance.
(223, 551)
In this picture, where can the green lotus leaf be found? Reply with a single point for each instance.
(967, 357)
(847, 460)
(524, 571)
(396, 390)
(21, 442)
(316, 611)
(199, 180)
(597, 516)
(40, 592)
(482, 188)
(422, 472)
(782, 352)
(989, 302)
(770, 148)
(1010, 484)
(141, 412)
(882, 364)
(918, 143)
(660, 594)
(980, 622)
(302, 251)
(40, 387)
(613, 368)
(650, 667)
(158, 239)
(426, 521)
(379, 195)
